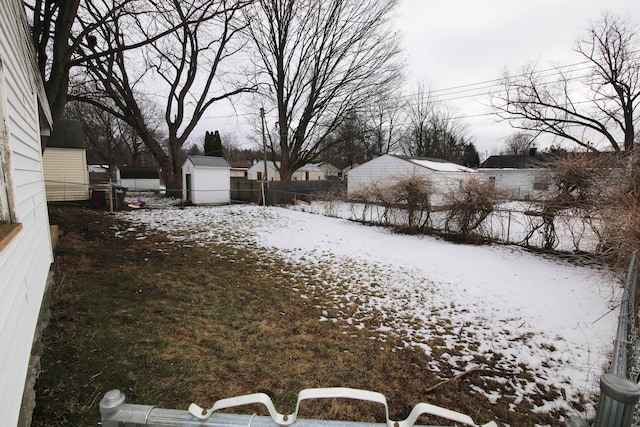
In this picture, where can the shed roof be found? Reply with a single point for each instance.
(239, 164)
(208, 162)
(67, 134)
(310, 167)
(438, 165)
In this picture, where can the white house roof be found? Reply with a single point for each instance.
(440, 166)
(208, 162)
(310, 167)
(437, 165)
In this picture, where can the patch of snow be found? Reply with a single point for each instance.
(548, 317)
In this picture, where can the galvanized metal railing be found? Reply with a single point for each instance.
(116, 413)
(623, 347)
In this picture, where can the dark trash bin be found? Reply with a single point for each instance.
(118, 192)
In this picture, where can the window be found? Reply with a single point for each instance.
(492, 182)
(541, 182)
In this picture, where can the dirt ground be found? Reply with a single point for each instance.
(170, 324)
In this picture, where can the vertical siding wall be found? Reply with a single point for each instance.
(211, 185)
(24, 263)
(386, 170)
(66, 175)
(382, 171)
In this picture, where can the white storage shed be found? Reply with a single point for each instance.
(65, 163)
(206, 180)
(387, 169)
(25, 240)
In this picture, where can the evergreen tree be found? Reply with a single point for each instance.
(213, 144)
(471, 158)
(218, 151)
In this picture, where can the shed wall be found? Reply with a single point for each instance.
(25, 261)
(209, 186)
(140, 184)
(386, 170)
(66, 174)
(381, 171)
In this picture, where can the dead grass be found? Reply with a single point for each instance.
(170, 324)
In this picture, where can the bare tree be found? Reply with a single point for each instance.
(62, 32)
(419, 113)
(319, 60)
(591, 109)
(346, 145)
(385, 123)
(433, 129)
(517, 144)
(109, 140)
(189, 69)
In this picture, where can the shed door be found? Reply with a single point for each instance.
(189, 188)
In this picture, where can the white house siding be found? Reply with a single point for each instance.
(238, 173)
(66, 174)
(380, 171)
(209, 185)
(387, 169)
(330, 170)
(309, 172)
(516, 183)
(258, 167)
(25, 261)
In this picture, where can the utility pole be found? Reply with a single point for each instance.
(265, 181)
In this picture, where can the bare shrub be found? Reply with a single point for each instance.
(467, 208)
(404, 202)
(332, 199)
(412, 194)
(580, 193)
(619, 214)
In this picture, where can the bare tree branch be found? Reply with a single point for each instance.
(590, 110)
(189, 68)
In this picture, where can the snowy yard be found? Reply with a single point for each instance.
(526, 312)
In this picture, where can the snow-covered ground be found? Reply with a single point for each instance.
(550, 317)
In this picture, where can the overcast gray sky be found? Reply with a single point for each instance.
(452, 43)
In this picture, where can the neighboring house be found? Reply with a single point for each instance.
(308, 172)
(98, 174)
(239, 169)
(25, 240)
(330, 170)
(520, 177)
(346, 169)
(388, 169)
(139, 178)
(66, 176)
(256, 171)
(206, 180)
